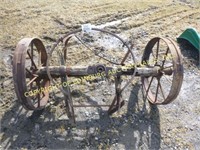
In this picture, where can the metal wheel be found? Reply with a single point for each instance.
(164, 87)
(32, 90)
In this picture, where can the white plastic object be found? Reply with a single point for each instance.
(86, 27)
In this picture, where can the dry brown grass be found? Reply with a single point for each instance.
(22, 18)
(35, 18)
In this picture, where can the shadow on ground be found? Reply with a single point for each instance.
(190, 52)
(139, 128)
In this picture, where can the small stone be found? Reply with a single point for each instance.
(109, 93)
(108, 140)
(102, 113)
(37, 128)
(89, 121)
(51, 102)
(61, 138)
(63, 117)
(13, 120)
(191, 129)
(87, 114)
(125, 120)
(198, 118)
(96, 113)
(92, 130)
(96, 138)
(7, 83)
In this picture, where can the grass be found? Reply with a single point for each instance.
(32, 18)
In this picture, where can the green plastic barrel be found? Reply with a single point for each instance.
(192, 36)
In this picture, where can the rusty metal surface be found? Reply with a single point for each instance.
(80, 71)
(20, 73)
(41, 73)
(65, 39)
(177, 68)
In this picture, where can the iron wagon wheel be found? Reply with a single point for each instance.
(32, 90)
(164, 87)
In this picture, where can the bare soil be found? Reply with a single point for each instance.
(138, 125)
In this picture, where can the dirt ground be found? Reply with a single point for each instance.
(138, 125)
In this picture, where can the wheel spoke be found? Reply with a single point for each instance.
(148, 88)
(165, 56)
(33, 75)
(167, 79)
(29, 72)
(125, 57)
(32, 62)
(161, 90)
(157, 91)
(33, 79)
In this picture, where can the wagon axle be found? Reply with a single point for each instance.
(32, 69)
(58, 71)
